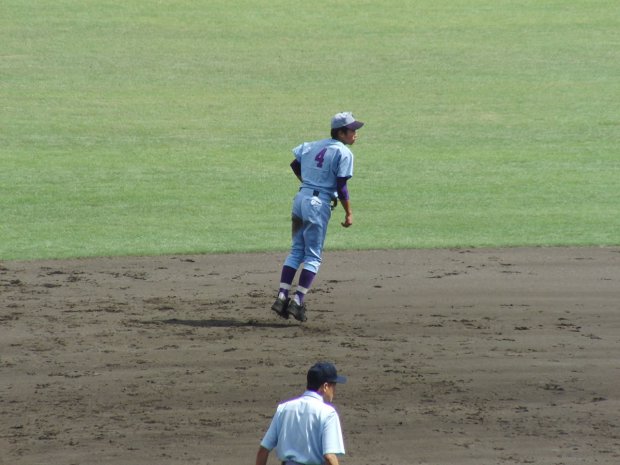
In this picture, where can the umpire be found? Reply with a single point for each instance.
(306, 430)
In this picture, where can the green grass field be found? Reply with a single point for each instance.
(143, 128)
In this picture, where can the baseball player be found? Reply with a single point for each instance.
(307, 430)
(323, 167)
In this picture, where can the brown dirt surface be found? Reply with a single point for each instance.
(453, 357)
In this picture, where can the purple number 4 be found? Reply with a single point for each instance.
(320, 157)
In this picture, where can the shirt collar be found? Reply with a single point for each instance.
(316, 395)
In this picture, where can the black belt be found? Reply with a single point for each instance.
(317, 193)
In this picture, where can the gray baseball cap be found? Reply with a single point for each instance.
(345, 120)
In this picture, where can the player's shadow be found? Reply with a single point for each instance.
(227, 323)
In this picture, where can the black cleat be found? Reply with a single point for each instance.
(281, 307)
(298, 311)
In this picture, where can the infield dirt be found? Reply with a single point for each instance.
(453, 357)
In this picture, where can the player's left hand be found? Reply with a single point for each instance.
(348, 221)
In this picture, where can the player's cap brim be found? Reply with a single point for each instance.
(355, 125)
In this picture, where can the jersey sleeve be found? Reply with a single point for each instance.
(301, 149)
(345, 164)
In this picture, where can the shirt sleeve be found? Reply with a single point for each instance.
(299, 151)
(296, 167)
(270, 440)
(341, 188)
(332, 435)
(345, 164)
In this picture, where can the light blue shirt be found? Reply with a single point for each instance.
(304, 430)
(322, 162)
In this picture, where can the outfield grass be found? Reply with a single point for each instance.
(137, 127)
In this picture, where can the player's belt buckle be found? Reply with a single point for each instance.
(315, 193)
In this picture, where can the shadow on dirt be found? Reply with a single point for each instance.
(226, 323)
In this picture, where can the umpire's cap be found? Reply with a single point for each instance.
(324, 372)
(345, 120)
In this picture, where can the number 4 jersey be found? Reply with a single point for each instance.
(322, 162)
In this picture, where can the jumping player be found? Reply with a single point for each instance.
(323, 168)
